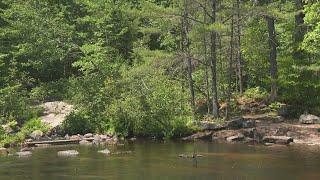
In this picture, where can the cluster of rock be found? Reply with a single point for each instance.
(245, 130)
(37, 138)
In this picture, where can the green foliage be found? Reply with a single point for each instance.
(25, 130)
(256, 93)
(32, 125)
(78, 123)
(51, 91)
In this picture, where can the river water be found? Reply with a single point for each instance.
(159, 160)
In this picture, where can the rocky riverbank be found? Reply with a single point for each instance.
(262, 129)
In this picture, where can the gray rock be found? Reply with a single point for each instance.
(96, 139)
(67, 137)
(105, 151)
(309, 119)
(37, 134)
(239, 137)
(68, 153)
(75, 137)
(24, 154)
(88, 135)
(277, 139)
(103, 137)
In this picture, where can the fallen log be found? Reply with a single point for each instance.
(58, 142)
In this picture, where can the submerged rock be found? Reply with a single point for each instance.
(24, 154)
(309, 119)
(190, 156)
(25, 149)
(105, 151)
(122, 152)
(43, 145)
(278, 139)
(68, 153)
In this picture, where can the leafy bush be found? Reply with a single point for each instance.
(26, 129)
(256, 93)
(32, 125)
(14, 104)
(77, 123)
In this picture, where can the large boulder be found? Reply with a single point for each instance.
(309, 119)
(55, 113)
(278, 139)
(88, 135)
(37, 134)
(68, 153)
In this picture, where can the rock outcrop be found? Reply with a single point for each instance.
(55, 113)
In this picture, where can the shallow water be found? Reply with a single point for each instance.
(159, 160)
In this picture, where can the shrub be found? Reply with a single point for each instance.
(77, 123)
(256, 93)
(32, 125)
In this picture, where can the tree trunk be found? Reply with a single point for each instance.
(187, 54)
(206, 67)
(230, 70)
(299, 30)
(273, 57)
(239, 55)
(213, 37)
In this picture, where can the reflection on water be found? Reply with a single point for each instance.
(159, 160)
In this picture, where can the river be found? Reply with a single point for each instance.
(159, 160)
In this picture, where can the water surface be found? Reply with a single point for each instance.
(159, 160)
